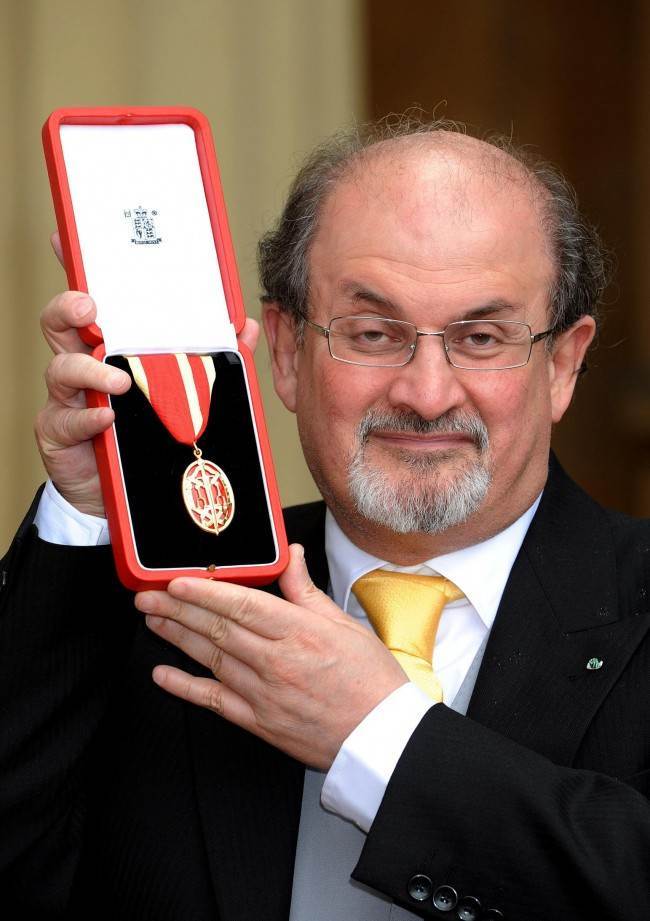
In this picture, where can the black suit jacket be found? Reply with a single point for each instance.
(119, 801)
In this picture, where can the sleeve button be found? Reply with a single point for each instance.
(468, 908)
(492, 914)
(420, 887)
(445, 898)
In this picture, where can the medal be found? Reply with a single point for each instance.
(179, 389)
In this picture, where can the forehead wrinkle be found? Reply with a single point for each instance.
(457, 176)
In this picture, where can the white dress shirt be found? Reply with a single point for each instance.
(357, 780)
(58, 522)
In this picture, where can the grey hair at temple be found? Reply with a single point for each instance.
(583, 265)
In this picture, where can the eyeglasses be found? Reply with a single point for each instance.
(473, 345)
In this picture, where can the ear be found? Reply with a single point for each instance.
(565, 361)
(283, 350)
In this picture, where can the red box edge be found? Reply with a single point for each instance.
(210, 175)
(131, 574)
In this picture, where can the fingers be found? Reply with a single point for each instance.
(67, 376)
(211, 630)
(232, 671)
(213, 695)
(61, 427)
(197, 647)
(197, 601)
(231, 616)
(65, 421)
(55, 240)
(63, 316)
(250, 334)
(297, 587)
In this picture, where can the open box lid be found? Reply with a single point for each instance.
(138, 190)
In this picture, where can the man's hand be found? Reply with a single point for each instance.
(298, 673)
(65, 427)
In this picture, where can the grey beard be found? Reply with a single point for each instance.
(429, 504)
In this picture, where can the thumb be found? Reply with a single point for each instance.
(297, 586)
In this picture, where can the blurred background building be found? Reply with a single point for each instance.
(571, 80)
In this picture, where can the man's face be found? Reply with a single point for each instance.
(429, 239)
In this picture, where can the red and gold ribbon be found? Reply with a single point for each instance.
(179, 389)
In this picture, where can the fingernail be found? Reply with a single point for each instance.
(159, 676)
(144, 603)
(153, 622)
(118, 379)
(81, 307)
(179, 588)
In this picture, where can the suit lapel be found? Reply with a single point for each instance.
(560, 610)
(249, 794)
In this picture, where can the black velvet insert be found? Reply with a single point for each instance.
(154, 464)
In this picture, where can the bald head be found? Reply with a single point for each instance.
(441, 206)
(443, 167)
(444, 148)
(442, 174)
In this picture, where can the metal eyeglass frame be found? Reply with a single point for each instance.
(325, 331)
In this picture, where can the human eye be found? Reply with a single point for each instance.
(479, 338)
(371, 334)
(482, 338)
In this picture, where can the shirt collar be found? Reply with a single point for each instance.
(480, 571)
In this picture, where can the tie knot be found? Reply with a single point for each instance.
(401, 605)
(405, 611)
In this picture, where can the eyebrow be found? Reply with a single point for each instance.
(495, 306)
(365, 296)
(362, 295)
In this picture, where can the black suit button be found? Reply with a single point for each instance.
(420, 887)
(468, 908)
(445, 898)
(492, 914)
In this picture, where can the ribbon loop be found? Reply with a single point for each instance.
(179, 388)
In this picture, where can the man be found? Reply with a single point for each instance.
(429, 303)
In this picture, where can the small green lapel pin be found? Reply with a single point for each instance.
(594, 664)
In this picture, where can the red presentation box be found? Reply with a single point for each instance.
(143, 226)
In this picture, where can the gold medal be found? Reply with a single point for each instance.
(208, 495)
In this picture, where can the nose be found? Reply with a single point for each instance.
(428, 384)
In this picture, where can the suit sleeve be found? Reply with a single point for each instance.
(468, 809)
(65, 627)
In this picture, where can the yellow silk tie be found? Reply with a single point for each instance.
(405, 611)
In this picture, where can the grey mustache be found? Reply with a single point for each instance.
(446, 424)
